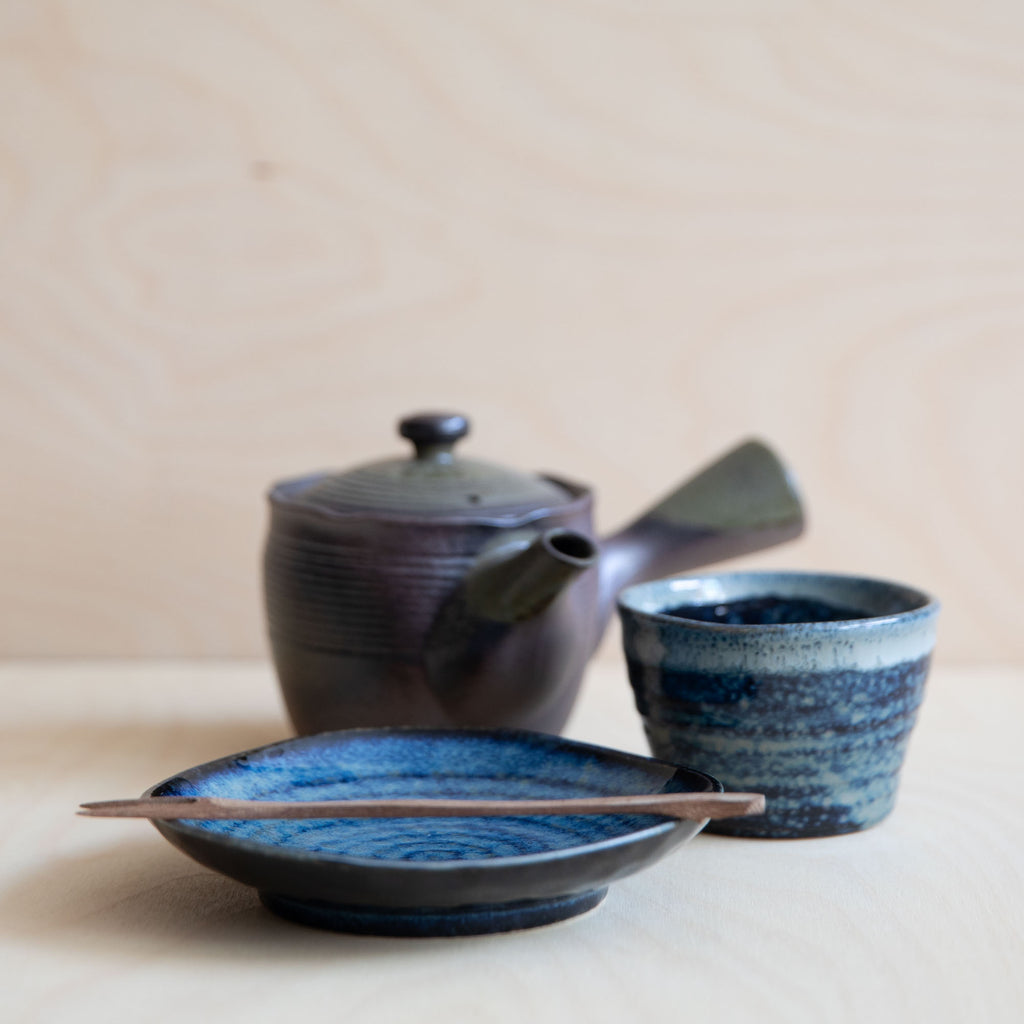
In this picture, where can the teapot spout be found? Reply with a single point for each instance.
(744, 502)
(521, 577)
(510, 642)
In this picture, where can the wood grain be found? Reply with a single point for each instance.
(917, 919)
(238, 240)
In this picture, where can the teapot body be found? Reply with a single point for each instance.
(439, 591)
(366, 627)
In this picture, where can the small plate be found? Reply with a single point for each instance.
(440, 876)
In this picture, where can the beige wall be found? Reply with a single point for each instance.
(238, 239)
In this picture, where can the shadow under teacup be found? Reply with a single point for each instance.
(802, 686)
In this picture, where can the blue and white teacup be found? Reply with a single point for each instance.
(802, 686)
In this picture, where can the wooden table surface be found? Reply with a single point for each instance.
(920, 919)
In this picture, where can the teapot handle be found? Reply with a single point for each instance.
(744, 502)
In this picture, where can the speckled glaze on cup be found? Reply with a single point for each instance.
(815, 715)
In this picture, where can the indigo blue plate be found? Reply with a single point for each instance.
(429, 877)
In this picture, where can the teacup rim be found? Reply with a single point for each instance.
(924, 603)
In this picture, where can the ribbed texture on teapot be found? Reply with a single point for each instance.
(463, 487)
(434, 481)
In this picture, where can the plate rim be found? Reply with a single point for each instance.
(299, 856)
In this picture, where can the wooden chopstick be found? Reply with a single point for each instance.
(687, 806)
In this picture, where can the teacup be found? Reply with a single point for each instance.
(802, 686)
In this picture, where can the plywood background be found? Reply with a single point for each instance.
(238, 239)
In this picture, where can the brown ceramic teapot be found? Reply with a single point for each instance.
(443, 591)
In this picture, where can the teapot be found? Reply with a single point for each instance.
(443, 591)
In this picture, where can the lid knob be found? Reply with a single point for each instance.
(434, 433)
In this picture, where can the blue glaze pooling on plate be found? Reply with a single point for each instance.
(418, 876)
(814, 714)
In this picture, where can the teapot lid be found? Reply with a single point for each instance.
(434, 480)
